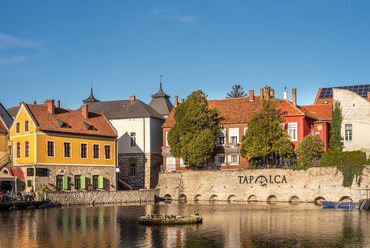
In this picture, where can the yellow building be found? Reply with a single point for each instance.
(63, 149)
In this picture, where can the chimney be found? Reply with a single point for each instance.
(267, 92)
(368, 96)
(85, 110)
(285, 94)
(182, 100)
(272, 93)
(176, 101)
(294, 96)
(34, 102)
(50, 105)
(251, 95)
(58, 104)
(132, 98)
(261, 93)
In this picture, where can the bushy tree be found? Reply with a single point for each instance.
(195, 132)
(309, 147)
(236, 92)
(336, 140)
(264, 135)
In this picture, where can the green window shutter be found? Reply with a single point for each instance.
(65, 182)
(82, 182)
(100, 182)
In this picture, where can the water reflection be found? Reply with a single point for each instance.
(224, 225)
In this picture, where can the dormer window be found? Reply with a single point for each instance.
(325, 102)
(89, 127)
(63, 124)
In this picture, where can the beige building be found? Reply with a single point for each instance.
(356, 119)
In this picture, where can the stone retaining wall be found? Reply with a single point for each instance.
(309, 185)
(102, 197)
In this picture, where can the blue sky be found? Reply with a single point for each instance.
(55, 49)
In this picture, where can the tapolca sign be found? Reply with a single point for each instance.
(262, 180)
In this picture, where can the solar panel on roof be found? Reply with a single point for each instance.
(359, 89)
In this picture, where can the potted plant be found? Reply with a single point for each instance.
(42, 192)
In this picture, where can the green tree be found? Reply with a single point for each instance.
(195, 132)
(309, 147)
(264, 135)
(236, 92)
(336, 140)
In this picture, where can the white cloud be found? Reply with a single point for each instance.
(7, 41)
(12, 60)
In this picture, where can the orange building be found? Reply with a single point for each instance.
(63, 149)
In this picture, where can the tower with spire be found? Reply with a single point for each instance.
(91, 98)
(161, 103)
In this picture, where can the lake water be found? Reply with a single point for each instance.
(224, 225)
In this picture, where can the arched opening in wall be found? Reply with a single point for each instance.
(318, 200)
(345, 199)
(167, 198)
(213, 198)
(252, 198)
(231, 198)
(182, 198)
(271, 199)
(197, 198)
(294, 200)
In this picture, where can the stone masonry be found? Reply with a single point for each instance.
(317, 183)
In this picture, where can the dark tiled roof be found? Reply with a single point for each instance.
(124, 109)
(161, 105)
(13, 111)
(3, 128)
(74, 120)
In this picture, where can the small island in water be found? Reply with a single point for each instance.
(162, 219)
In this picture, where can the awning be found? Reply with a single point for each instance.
(6, 177)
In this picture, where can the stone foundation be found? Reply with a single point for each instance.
(101, 197)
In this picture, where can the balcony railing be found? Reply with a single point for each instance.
(232, 148)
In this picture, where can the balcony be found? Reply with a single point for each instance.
(232, 148)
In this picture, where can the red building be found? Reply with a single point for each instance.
(235, 114)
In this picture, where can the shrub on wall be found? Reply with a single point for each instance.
(350, 163)
(308, 148)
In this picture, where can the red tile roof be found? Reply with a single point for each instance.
(74, 119)
(288, 109)
(321, 111)
(230, 110)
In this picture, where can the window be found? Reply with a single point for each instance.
(234, 135)
(221, 137)
(166, 139)
(97, 182)
(220, 159)
(59, 182)
(67, 149)
(77, 182)
(107, 151)
(18, 149)
(348, 131)
(29, 183)
(26, 126)
(30, 172)
(27, 149)
(83, 150)
(132, 139)
(50, 150)
(170, 164)
(234, 159)
(96, 149)
(18, 127)
(133, 170)
(292, 131)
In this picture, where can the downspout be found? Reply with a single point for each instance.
(302, 131)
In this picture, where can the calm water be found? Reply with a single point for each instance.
(224, 225)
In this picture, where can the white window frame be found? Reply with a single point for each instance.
(292, 126)
(348, 134)
(245, 130)
(221, 134)
(130, 140)
(70, 149)
(166, 138)
(233, 132)
(218, 156)
(47, 148)
(230, 159)
(98, 151)
(170, 164)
